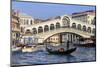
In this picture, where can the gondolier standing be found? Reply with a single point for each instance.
(67, 45)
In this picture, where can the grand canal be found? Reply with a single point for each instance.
(43, 57)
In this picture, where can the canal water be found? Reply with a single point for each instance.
(43, 57)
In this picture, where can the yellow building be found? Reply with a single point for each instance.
(15, 28)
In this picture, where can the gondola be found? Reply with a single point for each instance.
(61, 50)
(69, 51)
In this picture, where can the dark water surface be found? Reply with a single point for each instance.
(43, 57)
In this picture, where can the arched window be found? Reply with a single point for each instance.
(28, 31)
(89, 30)
(52, 27)
(46, 28)
(34, 31)
(74, 25)
(57, 25)
(79, 27)
(84, 28)
(66, 22)
(40, 29)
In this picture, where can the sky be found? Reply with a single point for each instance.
(47, 10)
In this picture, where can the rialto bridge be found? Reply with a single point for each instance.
(61, 24)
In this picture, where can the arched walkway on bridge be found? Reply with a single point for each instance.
(57, 25)
(46, 28)
(74, 25)
(34, 31)
(79, 26)
(52, 27)
(40, 29)
(89, 30)
(84, 28)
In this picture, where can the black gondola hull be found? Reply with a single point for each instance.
(69, 51)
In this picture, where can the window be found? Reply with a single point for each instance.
(22, 29)
(27, 22)
(30, 40)
(31, 22)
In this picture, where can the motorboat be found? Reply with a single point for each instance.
(29, 48)
(86, 43)
(15, 48)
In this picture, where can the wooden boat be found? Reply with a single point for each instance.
(69, 51)
(61, 50)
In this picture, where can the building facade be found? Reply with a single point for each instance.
(15, 28)
(85, 16)
(25, 21)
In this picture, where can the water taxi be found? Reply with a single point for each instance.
(29, 49)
